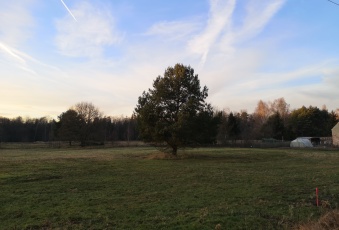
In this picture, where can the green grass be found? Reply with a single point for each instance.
(129, 188)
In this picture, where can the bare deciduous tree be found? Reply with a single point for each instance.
(281, 107)
(87, 111)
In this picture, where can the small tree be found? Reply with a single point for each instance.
(88, 114)
(69, 129)
(174, 109)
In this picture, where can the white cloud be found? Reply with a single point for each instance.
(174, 30)
(259, 14)
(17, 22)
(328, 88)
(269, 86)
(94, 30)
(220, 17)
(221, 37)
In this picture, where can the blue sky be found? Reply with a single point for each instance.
(54, 55)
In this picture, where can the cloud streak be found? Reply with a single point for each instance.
(258, 16)
(26, 62)
(69, 11)
(221, 35)
(17, 57)
(219, 17)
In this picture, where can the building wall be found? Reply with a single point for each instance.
(335, 135)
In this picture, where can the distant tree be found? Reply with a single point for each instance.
(246, 125)
(311, 121)
(173, 111)
(89, 116)
(336, 112)
(332, 121)
(206, 127)
(25, 130)
(233, 127)
(262, 112)
(281, 107)
(222, 129)
(70, 124)
(87, 111)
(40, 128)
(4, 124)
(274, 127)
(3, 121)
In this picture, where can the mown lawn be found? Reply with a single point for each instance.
(137, 188)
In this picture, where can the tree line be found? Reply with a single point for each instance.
(174, 112)
(275, 120)
(82, 123)
(267, 121)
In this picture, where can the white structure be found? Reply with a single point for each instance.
(301, 143)
(335, 135)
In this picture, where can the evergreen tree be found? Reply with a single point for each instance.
(174, 111)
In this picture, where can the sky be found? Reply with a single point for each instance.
(56, 53)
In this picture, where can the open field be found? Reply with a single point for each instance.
(140, 188)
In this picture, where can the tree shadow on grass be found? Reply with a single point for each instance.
(244, 158)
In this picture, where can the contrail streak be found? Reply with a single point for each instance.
(11, 53)
(69, 11)
(21, 62)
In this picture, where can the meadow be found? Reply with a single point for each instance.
(141, 188)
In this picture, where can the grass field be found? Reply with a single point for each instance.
(140, 188)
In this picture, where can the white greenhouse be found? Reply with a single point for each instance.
(301, 143)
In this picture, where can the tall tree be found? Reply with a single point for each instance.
(173, 110)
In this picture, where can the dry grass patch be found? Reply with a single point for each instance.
(160, 156)
(328, 221)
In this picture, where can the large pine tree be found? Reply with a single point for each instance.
(174, 111)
